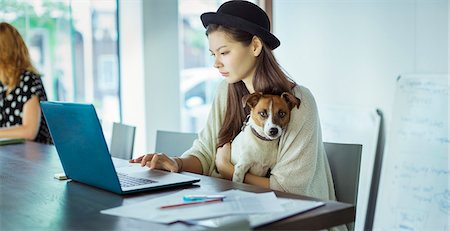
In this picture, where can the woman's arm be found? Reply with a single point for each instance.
(204, 147)
(257, 180)
(226, 168)
(173, 164)
(30, 122)
(191, 164)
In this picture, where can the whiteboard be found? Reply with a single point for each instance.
(414, 183)
(354, 125)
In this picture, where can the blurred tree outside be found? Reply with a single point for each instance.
(41, 24)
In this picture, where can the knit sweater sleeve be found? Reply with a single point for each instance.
(204, 147)
(302, 167)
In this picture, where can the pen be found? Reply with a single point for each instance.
(202, 197)
(191, 203)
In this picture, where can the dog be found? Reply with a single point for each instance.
(255, 148)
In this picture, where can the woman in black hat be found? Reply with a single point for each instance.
(241, 44)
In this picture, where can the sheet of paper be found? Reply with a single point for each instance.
(291, 207)
(236, 202)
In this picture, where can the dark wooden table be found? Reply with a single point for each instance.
(31, 199)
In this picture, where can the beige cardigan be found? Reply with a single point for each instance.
(302, 166)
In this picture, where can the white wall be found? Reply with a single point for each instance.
(350, 52)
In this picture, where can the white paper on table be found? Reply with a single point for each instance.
(291, 207)
(236, 202)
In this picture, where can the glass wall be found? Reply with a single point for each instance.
(199, 79)
(74, 46)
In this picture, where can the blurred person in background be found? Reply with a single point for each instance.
(21, 90)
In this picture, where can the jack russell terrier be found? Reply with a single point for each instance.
(255, 148)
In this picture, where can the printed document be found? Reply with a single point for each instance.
(291, 207)
(236, 202)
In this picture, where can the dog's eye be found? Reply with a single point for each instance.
(263, 114)
(281, 114)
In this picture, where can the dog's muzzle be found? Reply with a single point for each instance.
(273, 132)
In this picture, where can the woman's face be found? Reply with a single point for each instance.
(234, 60)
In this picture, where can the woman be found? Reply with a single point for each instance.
(21, 90)
(241, 43)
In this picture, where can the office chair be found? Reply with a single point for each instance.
(345, 161)
(122, 141)
(173, 143)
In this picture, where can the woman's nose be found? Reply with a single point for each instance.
(217, 63)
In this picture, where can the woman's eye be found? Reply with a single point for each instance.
(224, 53)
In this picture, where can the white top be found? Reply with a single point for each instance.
(302, 166)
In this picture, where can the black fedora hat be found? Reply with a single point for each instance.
(245, 16)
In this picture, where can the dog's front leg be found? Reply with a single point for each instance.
(239, 172)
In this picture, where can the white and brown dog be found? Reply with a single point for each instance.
(255, 148)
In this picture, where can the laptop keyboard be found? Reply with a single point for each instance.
(128, 181)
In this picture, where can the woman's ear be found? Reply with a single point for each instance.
(256, 46)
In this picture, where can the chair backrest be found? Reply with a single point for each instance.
(122, 141)
(345, 161)
(173, 143)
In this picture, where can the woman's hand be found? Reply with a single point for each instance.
(223, 161)
(157, 161)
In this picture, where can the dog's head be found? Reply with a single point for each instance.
(271, 112)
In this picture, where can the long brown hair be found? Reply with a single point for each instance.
(14, 56)
(269, 79)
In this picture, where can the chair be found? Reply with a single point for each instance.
(122, 141)
(345, 161)
(173, 143)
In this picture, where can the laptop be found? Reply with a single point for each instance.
(82, 149)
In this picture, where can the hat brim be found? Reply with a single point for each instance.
(238, 23)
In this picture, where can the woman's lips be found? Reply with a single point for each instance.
(224, 74)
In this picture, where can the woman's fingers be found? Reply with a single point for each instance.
(153, 163)
(146, 159)
(137, 160)
(162, 161)
(156, 161)
(170, 165)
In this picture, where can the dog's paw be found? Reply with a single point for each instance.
(238, 177)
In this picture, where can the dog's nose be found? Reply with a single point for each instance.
(273, 131)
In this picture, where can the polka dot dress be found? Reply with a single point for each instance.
(11, 105)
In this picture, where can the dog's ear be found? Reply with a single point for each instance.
(251, 99)
(291, 100)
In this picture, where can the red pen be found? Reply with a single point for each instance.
(190, 203)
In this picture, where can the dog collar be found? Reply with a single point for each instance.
(258, 135)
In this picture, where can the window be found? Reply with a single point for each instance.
(73, 44)
(198, 78)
